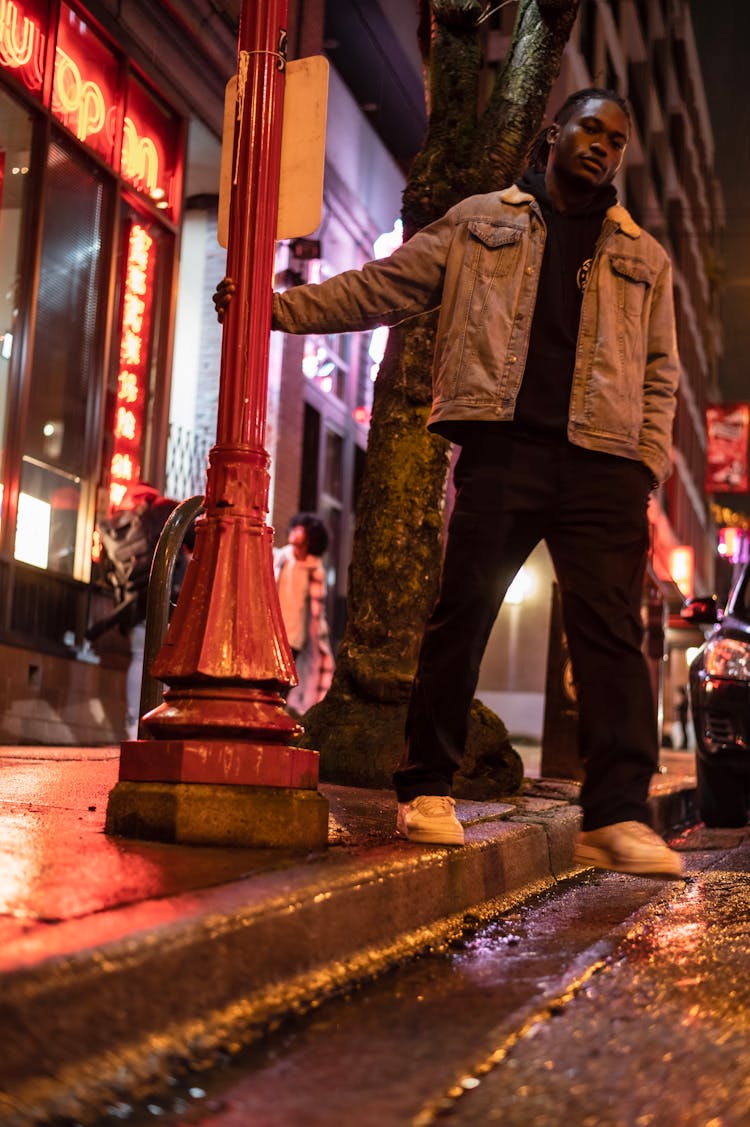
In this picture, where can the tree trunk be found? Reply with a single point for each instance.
(396, 558)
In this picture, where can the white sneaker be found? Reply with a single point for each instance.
(628, 847)
(430, 818)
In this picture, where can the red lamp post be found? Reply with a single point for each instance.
(220, 766)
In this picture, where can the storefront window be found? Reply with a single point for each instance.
(15, 147)
(65, 369)
(326, 360)
(87, 256)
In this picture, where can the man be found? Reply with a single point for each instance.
(556, 372)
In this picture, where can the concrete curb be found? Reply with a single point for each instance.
(126, 997)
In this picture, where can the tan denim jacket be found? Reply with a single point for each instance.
(480, 264)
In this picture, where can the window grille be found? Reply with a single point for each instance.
(187, 459)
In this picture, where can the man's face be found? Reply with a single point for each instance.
(588, 148)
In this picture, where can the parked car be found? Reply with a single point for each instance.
(720, 703)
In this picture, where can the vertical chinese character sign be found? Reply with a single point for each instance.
(125, 466)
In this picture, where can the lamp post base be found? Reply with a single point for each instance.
(211, 814)
(225, 761)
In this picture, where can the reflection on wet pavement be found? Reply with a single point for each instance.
(56, 863)
(614, 1002)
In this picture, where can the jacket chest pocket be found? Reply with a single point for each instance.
(633, 279)
(491, 248)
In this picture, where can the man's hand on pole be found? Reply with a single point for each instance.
(223, 294)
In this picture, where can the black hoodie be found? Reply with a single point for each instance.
(544, 397)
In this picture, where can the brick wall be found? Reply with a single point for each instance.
(60, 701)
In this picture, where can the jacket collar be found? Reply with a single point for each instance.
(624, 220)
(617, 213)
(514, 195)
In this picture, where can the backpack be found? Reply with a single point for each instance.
(129, 538)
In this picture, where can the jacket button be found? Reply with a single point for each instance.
(513, 359)
(529, 269)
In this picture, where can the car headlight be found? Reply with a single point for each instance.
(727, 657)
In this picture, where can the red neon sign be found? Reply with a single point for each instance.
(125, 465)
(22, 40)
(150, 142)
(86, 97)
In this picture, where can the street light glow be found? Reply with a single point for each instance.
(521, 587)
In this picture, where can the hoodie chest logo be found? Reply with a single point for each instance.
(582, 276)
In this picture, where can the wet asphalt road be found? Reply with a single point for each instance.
(611, 1002)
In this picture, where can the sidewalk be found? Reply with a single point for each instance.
(121, 961)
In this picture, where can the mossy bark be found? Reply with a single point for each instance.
(397, 551)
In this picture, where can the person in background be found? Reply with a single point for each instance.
(301, 582)
(129, 539)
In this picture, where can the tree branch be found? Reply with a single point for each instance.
(515, 108)
(435, 179)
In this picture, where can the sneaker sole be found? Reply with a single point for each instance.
(598, 859)
(431, 837)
